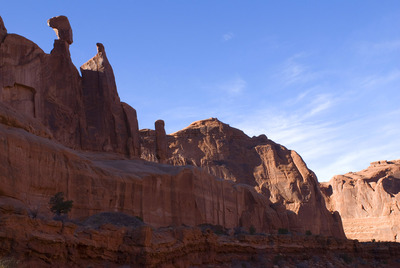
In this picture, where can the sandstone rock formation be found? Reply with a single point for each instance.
(63, 132)
(368, 201)
(280, 175)
(63, 29)
(107, 125)
(3, 30)
(161, 141)
(81, 112)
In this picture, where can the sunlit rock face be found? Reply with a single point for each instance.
(368, 201)
(278, 174)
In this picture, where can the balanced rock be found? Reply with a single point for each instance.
(63, 29)
(368, 201)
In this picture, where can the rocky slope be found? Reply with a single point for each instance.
(368, 201)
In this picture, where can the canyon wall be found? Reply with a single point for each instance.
(279, 174)
(65, 132)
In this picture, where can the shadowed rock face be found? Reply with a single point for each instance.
(3, 30)
(278, 174)
(107, 127)
(81, 112)
(368, 201)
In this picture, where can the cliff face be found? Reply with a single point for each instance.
(81, 112)
(63, 132)
(278, 174)
(368, 201)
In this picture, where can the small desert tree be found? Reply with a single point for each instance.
(58, 205)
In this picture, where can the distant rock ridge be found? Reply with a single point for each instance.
(71, 133)
(368, 201)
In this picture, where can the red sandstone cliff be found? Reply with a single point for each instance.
(264, 184)
(278, 174)
(368, 201)
(63, 132)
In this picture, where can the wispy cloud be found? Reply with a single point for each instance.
(374, 81)
(227, 36)
(382, 47)
(328, 146)
(294, 71)
(234, 86)
(320, 103)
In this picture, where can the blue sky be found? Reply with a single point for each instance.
(319, 77)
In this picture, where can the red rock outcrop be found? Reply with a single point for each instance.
(62, 132)
(278, 174)
(81, 112)
(34, 168)
(161, 141)
(3, 30)
(63, 29)
(107, 128)
(368, 201)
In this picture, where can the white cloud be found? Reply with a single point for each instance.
(227, 36)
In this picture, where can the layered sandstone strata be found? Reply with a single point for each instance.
(62, 132)
(278, 174)
(368, 201)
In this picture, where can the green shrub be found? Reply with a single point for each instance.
(252, 230)
(308, 232)
(283, 231)
(58, 205)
